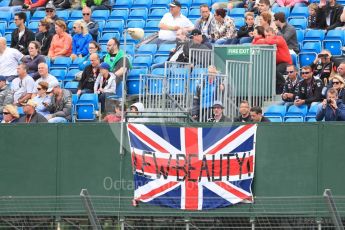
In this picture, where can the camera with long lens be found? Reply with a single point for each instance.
(329, 101)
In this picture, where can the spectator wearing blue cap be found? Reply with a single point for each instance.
(6, 96)
(105, 84)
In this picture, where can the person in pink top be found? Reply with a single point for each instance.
(115, 117)
(289, 3)
(61, 44)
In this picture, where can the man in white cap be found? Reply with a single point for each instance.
(217, 110)
(31, 116)
(171, 22)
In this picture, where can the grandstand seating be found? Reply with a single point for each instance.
(298, 112)
(85, 107)
(334, 41)
(276, 112)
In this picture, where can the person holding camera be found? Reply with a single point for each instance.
(331, 109)
(323, 66)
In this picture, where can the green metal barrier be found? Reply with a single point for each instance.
(50, 164)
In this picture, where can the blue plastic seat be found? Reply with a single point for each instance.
(135, 73)
(158, 71)
(6, 16)
(155, 85)
(86, 106)
(160, 3)
(70, 75)
(311, 115)
(309, 52)
(298, 23)
(107, 36)
(194, 13)
(75, 63)
(123, 4)
(296, 112)
(72, 86)
(135, 23)
(314, 36)
(165, 48)
(142, 3)
(158, 13)
(59, 74)
(294, 119)
(186, 3)
(63, 14)
(138, 13)
(38, 15)
(142, 60)
(62, 63)
(152, 25)
(3, 26)
(5, 3)
(237, 12)
(147, 49)
(113, 26)
(300, 12)
(300, 37)
(200, 2)
(100, 15)
(119, 14)
(199, 71)
(176, 86)
(129, 49)
(285, 10)
(334, 41)
(239, 22)
(276, 111)
(10, 28)
(33, 26)
(160, 58)
(75, 15)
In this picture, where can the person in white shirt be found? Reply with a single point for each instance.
(23, 86)
(171, 22)
(45, 76)
(9, 60)
(105, 84)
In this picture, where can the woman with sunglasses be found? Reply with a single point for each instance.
(338, 84)
(80, 40)
(42, 98)
(10, 114)
(61, 44)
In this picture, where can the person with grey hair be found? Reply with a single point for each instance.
(80, 40)
(9, 60)
(10, 114)
(6, 96)
(44, 75)
(206, 23)
(92, 25)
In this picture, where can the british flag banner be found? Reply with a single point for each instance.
(192, 168)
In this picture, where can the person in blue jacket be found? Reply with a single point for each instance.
(80, 40)
(331, 109)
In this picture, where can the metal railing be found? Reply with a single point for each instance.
(202, 58)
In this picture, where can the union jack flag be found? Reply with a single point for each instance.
(192, 168)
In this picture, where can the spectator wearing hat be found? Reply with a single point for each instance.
(10, 114)
(6, 95)
(31, 116)
(171, 22)
(89, 75)
(198, 41)
(105, 84)
(44, 36)
(114, 58)
(51, 16)
(206, 23)
(22, 36)
(33, 59)
(60, 106)
(217, 111)
(322, 66)
(9, 60)
(115, 117)
(22, 86)
(61, 45)
(256, 115)
(42, 98)
(92, 25)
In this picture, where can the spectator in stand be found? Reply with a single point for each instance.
(6, 96)
(287, 31)
(310, 88)
(60, 106)
(13, 7)
(137, 109)
(331, 109)
(323, 66)
(329, 14)
(198, 41)
(89, 75)
(61, 4)
(96, 4)
(230, 4)
(9, 60)
(94, 47)
(171, 22)
(105, 84)
(217, 111)
(51, 16)
(206, 23)
(341, 70)
(338, 84)
(22, 36)
(244, 112)
(44, 36)
(22, 86)
(225, 30)
(246, 33)
(31, 116)
(44, 76)
(266, 20)
(33, 59)
(61, 44)
(264, 6)
(91, 24)
(289, 3)
(283, 57)
(80, 40)
(116, 117)
(10, 114)
(42, 98)
(33, 5)
(256, 115)
(114, 58)
(258, 34)
(312, 18)
(291, 86)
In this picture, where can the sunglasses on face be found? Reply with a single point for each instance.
(335, 82)
(5, 113)
(49, 11)
(305, 72)
(39, 88)
(86, 14)
(290, 71)
(74, 27)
